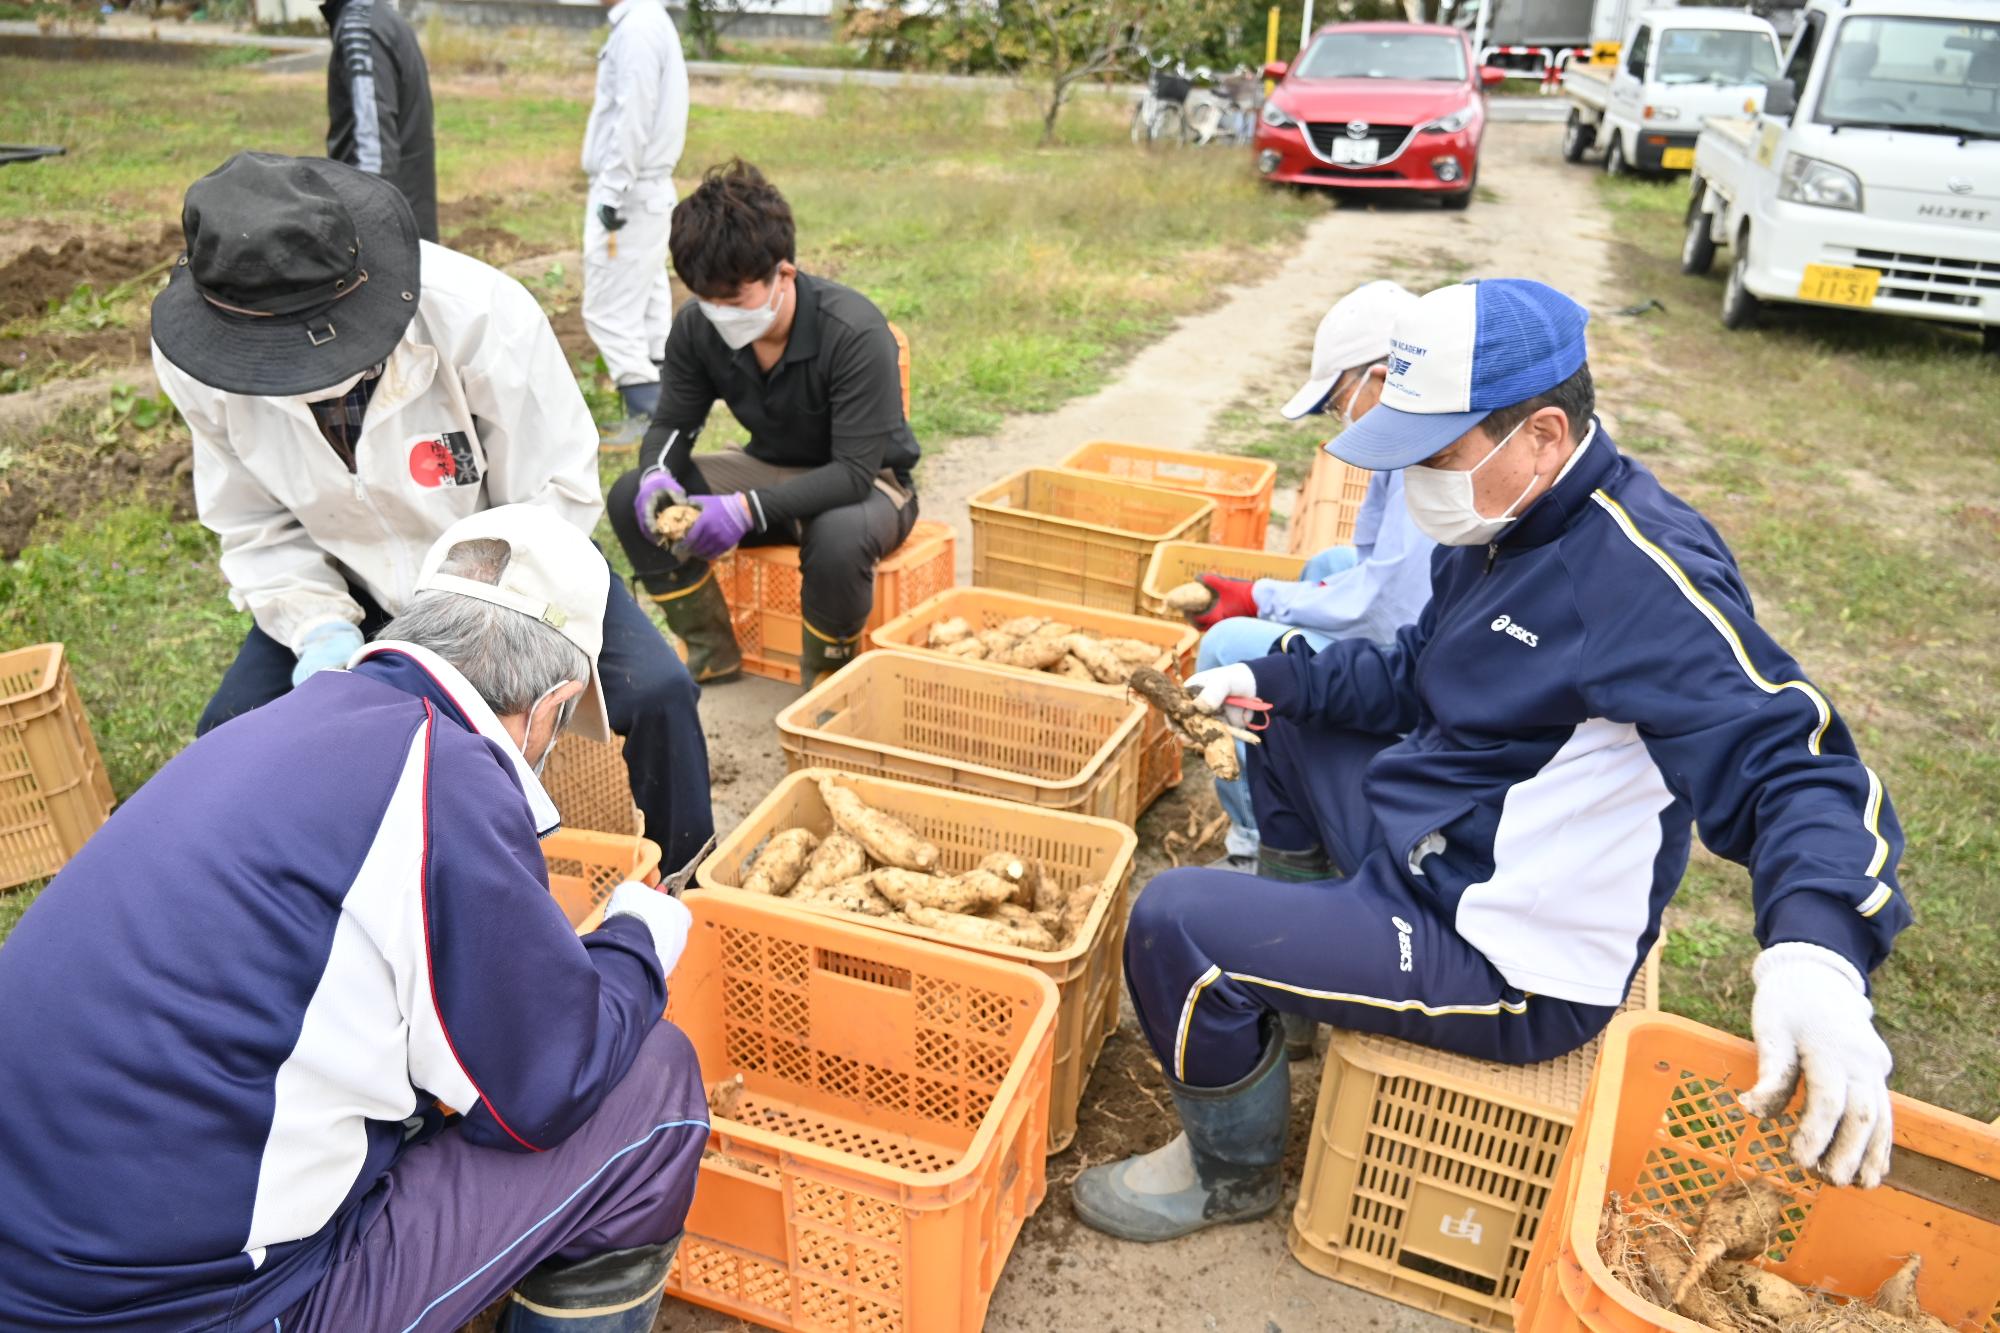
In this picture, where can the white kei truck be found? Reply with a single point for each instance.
(1870, 178)
(1645, 104)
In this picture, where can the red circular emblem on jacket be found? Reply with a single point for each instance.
(431, 463)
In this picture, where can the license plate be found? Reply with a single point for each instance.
(1355, 152)
(1678, 159)
(1830, 284)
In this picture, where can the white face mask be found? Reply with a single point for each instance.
(564, 711)
(739, 327)
(336, 390)
(1441, 503)
(1347, 408)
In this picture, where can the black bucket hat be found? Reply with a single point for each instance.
(299, 273)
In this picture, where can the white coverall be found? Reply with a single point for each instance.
(476, 407)
(638, 126)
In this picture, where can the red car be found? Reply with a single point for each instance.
(1378, 106)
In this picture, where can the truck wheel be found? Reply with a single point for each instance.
(1989, 339)
(1577, 137)
(1614, 156)
(1698, 247)
(1739, 307)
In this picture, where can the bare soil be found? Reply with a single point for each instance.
(38, 275)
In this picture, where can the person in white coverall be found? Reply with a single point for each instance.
(353, 392)
(638, 125)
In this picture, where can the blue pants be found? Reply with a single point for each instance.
(648, 695)
(1210, 954)
(1239, 640)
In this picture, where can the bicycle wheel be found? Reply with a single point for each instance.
(1142, 128)
(1201, 121)
(1169, 124)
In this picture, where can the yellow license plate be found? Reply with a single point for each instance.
(1831, 284)
(1678, 159)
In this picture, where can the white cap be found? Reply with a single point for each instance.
(553, 574)
(1354, 333)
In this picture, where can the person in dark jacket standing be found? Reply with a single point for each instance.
(378, 102)
(1468, 836)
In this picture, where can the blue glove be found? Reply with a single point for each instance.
(725, 521)
(326, 647)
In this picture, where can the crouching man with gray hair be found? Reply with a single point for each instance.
(313, 931)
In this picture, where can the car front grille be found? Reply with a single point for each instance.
(1389, 139)
(1932, 279)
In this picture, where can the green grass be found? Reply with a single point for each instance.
(1851, 463)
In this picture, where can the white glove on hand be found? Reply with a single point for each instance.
(1812, 1019)
(665, 916)
(1212, 686)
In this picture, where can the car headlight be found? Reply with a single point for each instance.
(1275, 117)
(1807, 180)
(1452, 123)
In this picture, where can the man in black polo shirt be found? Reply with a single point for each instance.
(810, 369)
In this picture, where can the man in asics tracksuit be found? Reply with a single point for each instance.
(1469, 834)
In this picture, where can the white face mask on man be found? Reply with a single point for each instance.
(564, 711)
(1441, 502)
(740, 327)
(336, 390)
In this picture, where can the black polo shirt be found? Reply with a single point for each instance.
(833, 402)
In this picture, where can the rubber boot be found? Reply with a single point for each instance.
(699, 618)
(820, 657)
(614, 1292)
(1301, 1031)
(639, 400)
(1226, 1164)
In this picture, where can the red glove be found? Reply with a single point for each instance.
(1233, 598)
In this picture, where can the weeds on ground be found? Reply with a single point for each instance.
(1851, 464)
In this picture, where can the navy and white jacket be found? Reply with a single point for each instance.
(1570, 698)
(313, 923)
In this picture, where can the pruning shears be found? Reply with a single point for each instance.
(1258, 709)
(673, 885)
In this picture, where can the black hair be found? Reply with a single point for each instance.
(735, 228)
(1576, 396)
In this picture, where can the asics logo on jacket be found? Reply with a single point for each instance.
(1545, 803)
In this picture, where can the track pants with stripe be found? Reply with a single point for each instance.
(1210, 954)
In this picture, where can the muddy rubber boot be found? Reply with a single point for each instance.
(639, 400)
(1226, 1164)
(614, 1292)
(820, 657)
(1301, 1031)
(699, 618)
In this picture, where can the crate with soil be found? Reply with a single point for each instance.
(1037, 887)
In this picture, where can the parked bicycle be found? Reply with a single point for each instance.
(1161, 112)
(1226, 113)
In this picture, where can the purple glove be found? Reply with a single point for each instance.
(725, 521)
(657, 490)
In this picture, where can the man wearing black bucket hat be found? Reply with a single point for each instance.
(352, 392)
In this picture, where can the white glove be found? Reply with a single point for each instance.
(665, 916)
(1212, 686)
(1812, 1018)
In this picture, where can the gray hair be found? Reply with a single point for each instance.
(512, 659)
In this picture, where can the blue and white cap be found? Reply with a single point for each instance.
(1454, 357)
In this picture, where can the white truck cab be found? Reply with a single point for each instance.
(1675, 68)
(1871, 176)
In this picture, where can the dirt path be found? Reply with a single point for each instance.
(1544, 223)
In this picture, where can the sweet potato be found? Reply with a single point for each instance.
(885, 838)
(725, 1096)
(837, 857)
(1032, 652)
(996, 641)
(1020, 627)
(944, 633)
(1021, 919)
(1101, 662)
(673, 523)
(779, 866)
(1739, 1222)
(1071, 669)
(1077, 909)
(1025, 876)
(1197, 730)
(1190, 599)
(1751, 1289)
(849, 895)
(970, 649)
(1898, 1298)
(899, 887)
(975, 929)
(971, 893)
(1136, 652)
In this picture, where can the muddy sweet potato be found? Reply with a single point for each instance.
(1103, 664)
(944, 633)
(778, 867)
(975, 929)
(1190, 599)
(1197, 730)
(1025, 876)
(970, 649)
(674, 522)
(1034, 653)
(839, 856)
(1739, 1222)
(856, 895)
(886, 838)
(725, 1097)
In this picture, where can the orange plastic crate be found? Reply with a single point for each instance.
(1329, 502)
(1070, 849)
(988, 730)
(1076, 536)
(1175, 563)
(889, 1142)
(1407, 1139)
(1661, 1125)
(985, 608)
(761, 585)
(591, 786)
(1240, 487)
(585, 866)
(54, 792)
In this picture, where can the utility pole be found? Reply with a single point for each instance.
(1306, 26)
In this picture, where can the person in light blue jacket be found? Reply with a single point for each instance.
(1367, 590)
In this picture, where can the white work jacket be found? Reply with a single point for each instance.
(638, 124)
(475, 407)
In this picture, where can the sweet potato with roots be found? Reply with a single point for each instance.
(886, 838)
(837, 857)
(781, 863)
(1197, 730)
